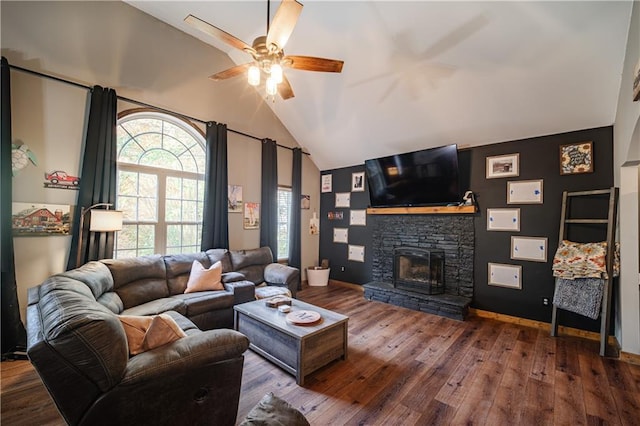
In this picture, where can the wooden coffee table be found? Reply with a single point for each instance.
(297, 349)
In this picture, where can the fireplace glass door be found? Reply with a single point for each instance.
(419, 270)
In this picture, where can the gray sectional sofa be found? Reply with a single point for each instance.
(79, 347)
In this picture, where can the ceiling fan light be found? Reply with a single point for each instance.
(276, 73)
(272, 87)
(253, 75)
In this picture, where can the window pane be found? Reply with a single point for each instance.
(148, 185)
(149, 141)
(173, 235)
(173, 210)
(129, 207)
(174, 187)
(146, 236)
(189, 234)
(127, 237)
(189, 211)
(127, 183)
(189, 189)
(147, 210)
(160, 158)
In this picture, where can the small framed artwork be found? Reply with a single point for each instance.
(335, 215)
(341, 235)
(502, 275)
(251, 218)
(41, 220)
(234, 198)
(358, 218)
(524, 192)
(503, 220)
(326, 183)
(503, 166)
(356, 253)
(343, 199)
(305, 202)
(576, 158)
(529, 248)
(357, 182)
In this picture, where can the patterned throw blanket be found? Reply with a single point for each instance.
(581, 270)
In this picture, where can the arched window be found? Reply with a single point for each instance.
(161, 165)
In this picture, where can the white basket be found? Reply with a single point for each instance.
(318, 277)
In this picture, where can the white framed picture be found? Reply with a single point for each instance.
(341, 235)
(357, 182)
(343, 199)
(503, 220)
(356, 253)
(358, 218)
(503, 275)
(524, 192)
(503, 166)
(326, 183)
(529, 248)
(234, 198)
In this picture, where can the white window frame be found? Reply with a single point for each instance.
(161, 223)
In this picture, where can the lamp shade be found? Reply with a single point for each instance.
(105, 220)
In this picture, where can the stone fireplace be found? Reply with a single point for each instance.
(418, 269)
(449, 240)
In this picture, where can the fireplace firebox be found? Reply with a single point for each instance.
(419, 270)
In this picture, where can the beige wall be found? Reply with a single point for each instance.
(115, 45)
(626, 133)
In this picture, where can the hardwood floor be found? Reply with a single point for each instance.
(410, 368)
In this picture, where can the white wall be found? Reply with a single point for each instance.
(115, 45)
(626, 154)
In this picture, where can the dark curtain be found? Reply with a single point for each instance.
(295, 220)
(98, 177)
(13, 333)
(269, 197)
(215, 221)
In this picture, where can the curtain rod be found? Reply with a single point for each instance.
(133, 101)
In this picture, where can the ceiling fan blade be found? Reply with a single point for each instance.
(218, 33)
(283, 23)
(310, 63)
(284, 89)
(231, 72)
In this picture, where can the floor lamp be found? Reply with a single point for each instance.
(102, 220)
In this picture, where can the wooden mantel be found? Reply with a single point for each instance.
(423, 210)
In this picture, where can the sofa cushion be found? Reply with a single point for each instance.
(241, 259)
(112, 301)
(94, 275)
(179, 269)
(221, 255)
(205, 301)
(157, 306)
(146, 333)
(202, 279)
(138, 280)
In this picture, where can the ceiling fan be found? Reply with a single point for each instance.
(267, 51)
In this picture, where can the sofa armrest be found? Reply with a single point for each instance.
(243, 291)
(187, 353)
(282, 275)
(231, 277)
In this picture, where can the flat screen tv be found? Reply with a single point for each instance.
(421, 178)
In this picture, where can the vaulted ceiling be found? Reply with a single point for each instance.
(424, 74)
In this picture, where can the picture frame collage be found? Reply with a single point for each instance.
(508, 219)
(356, 217)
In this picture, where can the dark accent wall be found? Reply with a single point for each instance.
(337, 253)
(539, 159)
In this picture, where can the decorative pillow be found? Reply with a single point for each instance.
(202, 279)
(146, 333)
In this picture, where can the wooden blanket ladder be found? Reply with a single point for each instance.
(610, 222)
